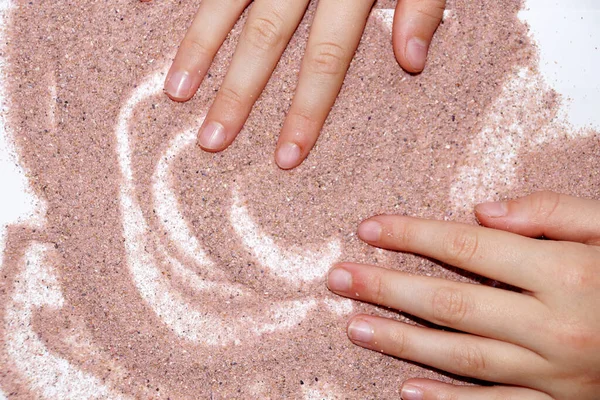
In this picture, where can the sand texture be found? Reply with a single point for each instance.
(161, 271)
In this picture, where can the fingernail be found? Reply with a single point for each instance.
(179, 85)
(410, 392)
(339, 280)
(288, 155)
(369, 231)
(360, 331)
(493, 210)
(416, 53)
(212, 136)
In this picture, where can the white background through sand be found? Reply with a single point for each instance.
(567, 32)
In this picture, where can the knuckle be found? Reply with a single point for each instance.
(431, 9)
(544, 205)
(404, 233)
(328, 58)
(579, 339)
(264, 33)
(460, 246)
(304, 119)
(590, 379)
(230, 98)
(578, 276)
(500, 395)
(378, 290)
(469, 360)
(197, 47)
(449, 395)
(449, 306)
(399, 342)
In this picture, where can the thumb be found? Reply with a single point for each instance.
(415, 22)
(551, 215)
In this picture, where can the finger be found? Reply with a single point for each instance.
(334, 37)
(212, 23)
(415, 22)
(457, 353)
(426, 389)
(548, 214)
(472, 308)
(269, 28)
(502, 256)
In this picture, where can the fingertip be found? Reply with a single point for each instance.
(411, 53)
(497, 209)
(410, 391)
(212, 137)
(339, 279)
(360, 330)
(544, 214)
(415, 23)
(180, 85)
(370, 230)
(416, 54)
(419, 388)
(288, 155)
(298, 137)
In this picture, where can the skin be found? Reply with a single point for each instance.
(335, 34)
(539, 343)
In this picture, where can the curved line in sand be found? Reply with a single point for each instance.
(155, 289)
(293, 265)
(167, 206)
(172, 220)
(199, 284)
(52, 376)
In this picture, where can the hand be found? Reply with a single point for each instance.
(540, 343)
(334, 37)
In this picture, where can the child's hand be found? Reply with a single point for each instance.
(542, 343)
(334, 37)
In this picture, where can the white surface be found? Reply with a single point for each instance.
(568, 35)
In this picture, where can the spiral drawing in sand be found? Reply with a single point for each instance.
(142, 267)
(184, 320)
